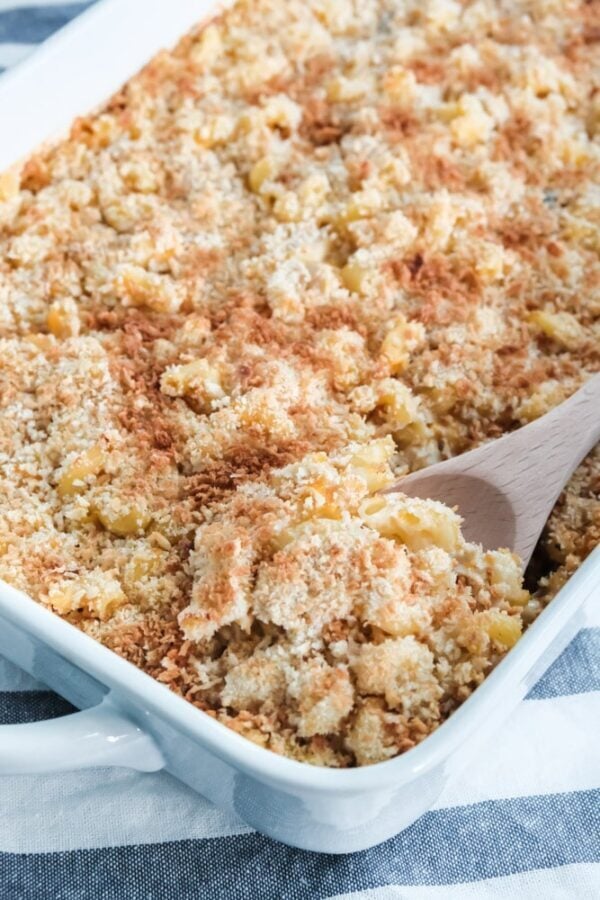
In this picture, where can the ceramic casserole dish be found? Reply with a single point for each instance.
(129, 719)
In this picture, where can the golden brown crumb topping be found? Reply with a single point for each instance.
(316, 246)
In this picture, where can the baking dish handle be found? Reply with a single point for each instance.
(100, 736)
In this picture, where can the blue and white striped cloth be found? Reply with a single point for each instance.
(522, 824)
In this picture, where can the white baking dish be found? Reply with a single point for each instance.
(133, 720)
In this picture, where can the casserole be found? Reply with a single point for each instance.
(303, 811)
(136, 722)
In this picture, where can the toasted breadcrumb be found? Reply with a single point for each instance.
(314, 247)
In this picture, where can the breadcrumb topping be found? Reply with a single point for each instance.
(316, 246)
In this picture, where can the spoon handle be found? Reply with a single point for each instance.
(506, 489)
(533, 465)
(553, 446)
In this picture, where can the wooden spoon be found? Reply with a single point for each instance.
(506, 489)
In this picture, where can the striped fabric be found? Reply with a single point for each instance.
(25, 24)
(524, 822)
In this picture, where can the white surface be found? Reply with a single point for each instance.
(134, 809)
(545, 743)
(578, 882)
(14, 679)
(11, 54)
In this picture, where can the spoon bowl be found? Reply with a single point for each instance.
(506, 489)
